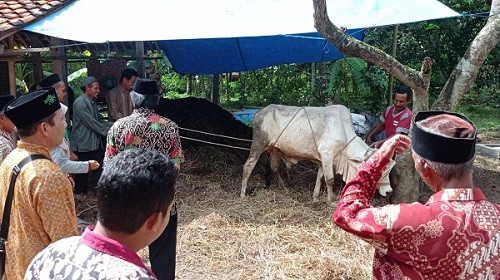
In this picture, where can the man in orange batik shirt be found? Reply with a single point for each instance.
(43, 208)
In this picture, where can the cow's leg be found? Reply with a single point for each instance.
(317, 187)
(248, 168)
(329, 174)
(274, 163)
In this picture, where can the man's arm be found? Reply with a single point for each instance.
(354, 212)
(175, 152)
(376, 130)
(115, 104)
(67, 165)
(84, 111)
(111, 149)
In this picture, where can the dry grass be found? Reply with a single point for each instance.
(268, 236)
(272, 234)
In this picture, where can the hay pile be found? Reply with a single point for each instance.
(275, 234)
(272, 234)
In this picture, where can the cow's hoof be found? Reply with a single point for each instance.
(252, 192)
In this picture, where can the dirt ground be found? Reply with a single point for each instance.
(272, 233)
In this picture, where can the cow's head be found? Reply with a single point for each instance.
(384, 185)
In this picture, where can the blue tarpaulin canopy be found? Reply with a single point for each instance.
(219, 36)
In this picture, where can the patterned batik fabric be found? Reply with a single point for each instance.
(144, 129)
(43, 208)
(91, 256)
(119, 103)
(455, 235)
(6, 144)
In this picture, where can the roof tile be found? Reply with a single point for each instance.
(16, 13)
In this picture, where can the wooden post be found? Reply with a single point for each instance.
(59, 65)
(11, 65)
(139, 54)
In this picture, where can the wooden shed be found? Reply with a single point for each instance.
(20, 46)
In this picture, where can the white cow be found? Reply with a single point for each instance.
(321, 134)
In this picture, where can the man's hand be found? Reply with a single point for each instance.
(72, 156)
(377, 144)
(71, 181)
(93, 165)
(398, 143)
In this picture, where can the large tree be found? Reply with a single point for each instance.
(459, 81)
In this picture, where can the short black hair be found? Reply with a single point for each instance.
(135, 184)
(149, 101)
(403, 89)
(128, 73)
(31, 129)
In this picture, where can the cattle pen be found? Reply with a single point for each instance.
(272, 233)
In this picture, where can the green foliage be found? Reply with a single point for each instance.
(174, 84)
(482, 106)
(444, 41)
(351, 81)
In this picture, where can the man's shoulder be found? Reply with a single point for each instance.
(65, 243)
(406, 113)
(80, 99)
(166, 121)
(115, 90)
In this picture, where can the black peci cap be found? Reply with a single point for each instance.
(32, 107)
(455, 142)
(146, 87)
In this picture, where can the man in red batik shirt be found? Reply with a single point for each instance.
(455, 235)
(395, 119)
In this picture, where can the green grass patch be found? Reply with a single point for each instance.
(486, 118)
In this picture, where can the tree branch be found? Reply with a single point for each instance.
(349, 45)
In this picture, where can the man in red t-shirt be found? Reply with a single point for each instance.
(395, 119)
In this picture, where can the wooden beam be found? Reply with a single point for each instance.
(10, 52)
(37, 64)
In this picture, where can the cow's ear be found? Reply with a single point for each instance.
(357, 159)
(388, 168)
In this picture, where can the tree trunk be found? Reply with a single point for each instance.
(464, 74)
(312, 94)
(406, 182)
(405, 179)
(189, 85)
(216, 89)
(323, 78)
